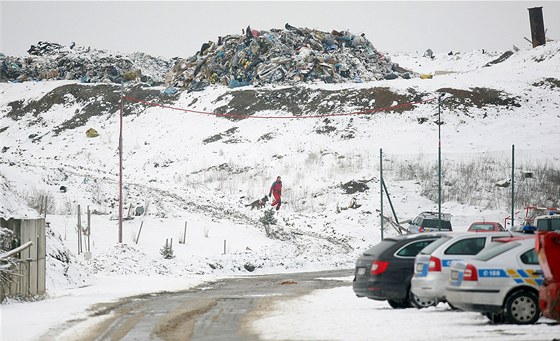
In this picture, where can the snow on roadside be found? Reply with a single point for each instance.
(337, 314)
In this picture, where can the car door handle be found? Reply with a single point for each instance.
(538, 273)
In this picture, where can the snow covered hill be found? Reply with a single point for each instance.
(185, 161)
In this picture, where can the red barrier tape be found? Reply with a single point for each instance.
(364, 112)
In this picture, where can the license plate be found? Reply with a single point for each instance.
(454, 275)
(361, 271)
(419, 267)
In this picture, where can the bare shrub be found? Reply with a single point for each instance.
(36, 200)
(67, 207)
(473, 181)
(541, 190)
(297, 200)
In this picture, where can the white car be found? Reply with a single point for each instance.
(431, 266)
(548, 222)
(501, 282)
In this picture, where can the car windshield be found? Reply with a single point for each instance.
(380, 247)
(495, 249)
(430, 248)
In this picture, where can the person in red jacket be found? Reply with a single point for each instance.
(276, 190)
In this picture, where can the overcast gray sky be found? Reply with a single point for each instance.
(178, 28)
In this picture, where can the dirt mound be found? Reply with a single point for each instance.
(90, 100)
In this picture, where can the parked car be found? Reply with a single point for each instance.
(428, 222)
(548, 222)
(548, 250)
(432, 264)
(501, 282)
(383, 272)
(486, 226)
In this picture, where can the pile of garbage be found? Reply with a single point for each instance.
(284, 56)
(52, 61)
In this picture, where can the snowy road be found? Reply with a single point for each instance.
(222, 310)
(298, 306)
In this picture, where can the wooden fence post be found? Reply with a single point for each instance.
(79, 231)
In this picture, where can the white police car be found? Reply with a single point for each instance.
(502, 282)
(430, 222)
(431, 266)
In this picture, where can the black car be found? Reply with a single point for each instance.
(383, 272)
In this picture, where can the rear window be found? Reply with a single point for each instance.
(469, 246)
(433, 223)
(430, 248)
(412, 249)
(482, 227)
(548, 224)
(495, 249)
(379, 248)
(555, 224)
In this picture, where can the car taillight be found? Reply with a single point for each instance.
(435, 264)
(470, 273)
(378, 267)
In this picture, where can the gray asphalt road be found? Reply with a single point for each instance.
(221, 310)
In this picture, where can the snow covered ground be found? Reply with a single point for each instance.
(182, 179)
(336, 314)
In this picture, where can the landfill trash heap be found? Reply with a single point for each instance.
(52, 61)
(284, 56)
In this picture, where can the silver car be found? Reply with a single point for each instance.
(431, 266)
(501, 282)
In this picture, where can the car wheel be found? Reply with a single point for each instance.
(419, 302)
(522, 307)
(398, 304)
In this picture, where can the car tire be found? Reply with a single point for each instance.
(522, 307)
(399, 304)
(420, 303)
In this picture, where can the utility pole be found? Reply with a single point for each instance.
(512, 185)
(120, 166)
(381, 187)
(439, 162)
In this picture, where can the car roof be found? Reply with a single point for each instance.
(485, 234)
(413, 236)
(397, 241)
(548, 216)
(434, 215)
(467, 235)
(522, 241)
(514, 238)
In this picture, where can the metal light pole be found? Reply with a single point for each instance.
(441, 99)
(120, 165)
(512, 185)
(439, 161)
(381, 187)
